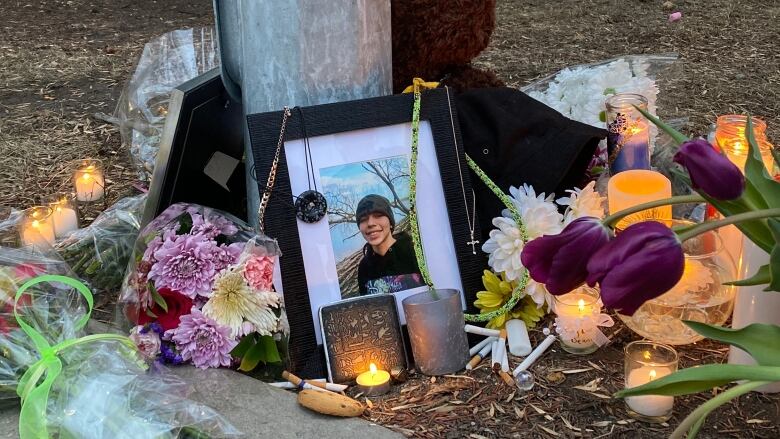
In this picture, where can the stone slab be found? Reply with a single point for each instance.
(255, 408)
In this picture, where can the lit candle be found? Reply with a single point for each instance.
(646, 361)
(638, 186)
(64, 218)
(374, 382)
(577, 318)
(88, 181)
(628, 133)
(37, 227)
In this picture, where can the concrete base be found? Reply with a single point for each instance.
(255, 408)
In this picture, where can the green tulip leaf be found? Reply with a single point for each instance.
(678, 137)
(243, 346)
(271, 351)
(776, 156)
(264, 351)
(760, 278)
(756, 339)
(774, 256)
(755, 171)
(701, 378)
(756, 230)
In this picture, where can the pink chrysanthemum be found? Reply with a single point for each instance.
(227, 255)
(185, 263)
(202, 340)
(259, 272)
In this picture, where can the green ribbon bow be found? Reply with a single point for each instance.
(35, 397)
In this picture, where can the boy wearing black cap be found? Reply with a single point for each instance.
(389, 264)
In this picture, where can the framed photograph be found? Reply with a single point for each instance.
(356, 154)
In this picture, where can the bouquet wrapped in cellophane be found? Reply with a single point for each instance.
(200, 290)
(74, 385)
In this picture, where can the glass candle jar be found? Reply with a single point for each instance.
(577, 316)
(700, 295)
(731, 139)
(638, 186)
(37, 227)
(646, 361)
(628, 133)
(64, 213)
(88, 180)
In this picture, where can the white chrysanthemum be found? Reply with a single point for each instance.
(233, 302)
(504, 247)
(538, 293)
(538, 212)
(582, 202)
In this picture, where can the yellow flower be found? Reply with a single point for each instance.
(497, 292)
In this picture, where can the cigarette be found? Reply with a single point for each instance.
(505, 362)
(289, 385)
(498, 356)
(478, 358)
(507, 378)
(529, 361)
(471, 329)
(478, 347)
(318, 384)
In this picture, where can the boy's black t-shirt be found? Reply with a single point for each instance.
(395, 271)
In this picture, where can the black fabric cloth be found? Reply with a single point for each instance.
(398, 260)
(516, 139)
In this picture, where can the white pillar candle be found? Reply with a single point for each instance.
(65, 220)
(519, 343)
(37, 227)
(649, 405)
(637, 186)
(89, 182)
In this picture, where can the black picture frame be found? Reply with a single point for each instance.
(438, 108)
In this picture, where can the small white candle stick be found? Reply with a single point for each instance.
(37, 228)
(88, 181)
(471, 329)
(517, 335)
(478, 347)
(535, 354)
(649, 405)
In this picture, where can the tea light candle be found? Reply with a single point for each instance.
(64, 218)
(577, 314)
(88, 181)
(374, 382)
(37, 227)
(636, 186)
(646, 361)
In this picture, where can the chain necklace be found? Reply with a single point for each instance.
(471, 219)
(272, 174)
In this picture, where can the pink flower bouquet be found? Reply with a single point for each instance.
(200, 290)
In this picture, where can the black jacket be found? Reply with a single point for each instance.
(399, 260)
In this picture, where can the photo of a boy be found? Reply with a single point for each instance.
(389, 264)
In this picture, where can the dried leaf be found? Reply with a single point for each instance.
(549, 418)
(410, 389)
(405, 406)
(568, 424)
(511, 397)
(492, 411)
(442, 409)
(573, 371)
(519, 413)
(555, 377)
(474, 396)
(465, 377)
(756, 421)
(500, 409)
(601, 395)
(538, 410)
(369, 403)
(601, 423)
(552, 432)
(595, 366)
(592, 386)
(433, 379)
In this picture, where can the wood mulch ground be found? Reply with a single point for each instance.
(62, 61)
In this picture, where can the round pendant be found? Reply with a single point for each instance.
(311, 206)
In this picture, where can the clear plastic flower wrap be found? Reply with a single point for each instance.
(200, 290)
(77, 385)
(166, 62)
(100, 252)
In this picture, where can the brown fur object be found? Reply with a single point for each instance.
(436, 40)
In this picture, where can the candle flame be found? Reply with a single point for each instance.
(372, 368)
(652, 374)
(647, 355)
(635, 130)
(59, 209)
(85, 176)
(35, 224)
(581, 305)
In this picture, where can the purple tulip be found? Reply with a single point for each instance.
(560, 261)
(711, 172)
(641, 263)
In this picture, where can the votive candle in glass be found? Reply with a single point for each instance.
(37, 227)
(637, 186)
(577, 319)
(88, 180)
(731, 139)
(646, 361)
(628, 133)
(64, 216)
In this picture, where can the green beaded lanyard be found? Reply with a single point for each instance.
(517, 292)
